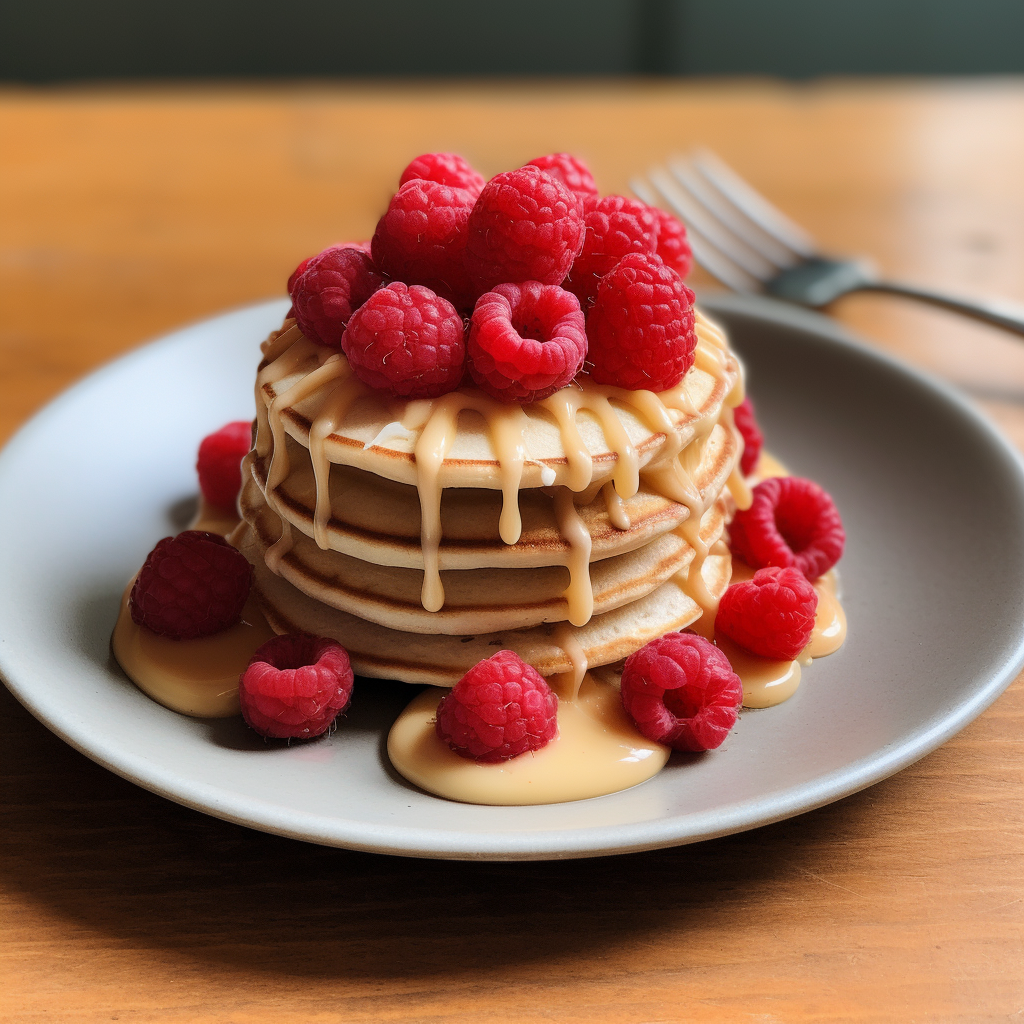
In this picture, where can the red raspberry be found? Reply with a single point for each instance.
(615, 226)
(192, 585)
(219, 463)
(569, 170)
(422, 237)
(526, 226)
(526, 341)
(681, 690)
(295, 275)
(642, 327)
(407, 341)
(445, 168)
(792, 522)
(365, 246)
(295, 686)
(753, 439)
(499, 709)
(673, 245)
(771, 615)
(333, 285)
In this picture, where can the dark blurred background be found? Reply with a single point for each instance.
(64, 40)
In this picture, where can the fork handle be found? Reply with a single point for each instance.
(993, 311)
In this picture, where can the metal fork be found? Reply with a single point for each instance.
(750, 246)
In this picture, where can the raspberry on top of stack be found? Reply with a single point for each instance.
(497, 450)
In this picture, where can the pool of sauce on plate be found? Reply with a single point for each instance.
(597, 751)
(194, 677)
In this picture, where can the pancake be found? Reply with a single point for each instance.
(476, 600)
(378, 520)
(426, 534)
(441, 660)
(584, 432)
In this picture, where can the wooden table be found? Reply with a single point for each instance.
(127, 213)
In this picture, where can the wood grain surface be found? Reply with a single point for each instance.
(126, 213)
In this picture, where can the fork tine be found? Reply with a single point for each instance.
(723, 240)
(692, 180)
(704, 252)
(768, 218)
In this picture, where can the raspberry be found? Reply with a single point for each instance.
(421, 239)
(525, 226)
(295, 275)
(499, 709)
(771, 615)
(572, 172)
(791, 522)
(642, 326)
(407, 341)
(681, 690)
(446, 169)
(526, 341)
(333, 285)
(219, 463)
(192, 585)
(365, 246)
(673, 245)
(753, 439)
(295, 686)
(615, 226)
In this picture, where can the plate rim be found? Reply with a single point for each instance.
(591, 841)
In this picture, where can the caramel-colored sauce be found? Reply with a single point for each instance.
(829, 620)
(195, 677)
(766, 682)
(597, 751)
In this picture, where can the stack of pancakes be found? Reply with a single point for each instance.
(426, 535)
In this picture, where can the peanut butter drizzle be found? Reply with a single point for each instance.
(280, 547)
(336, 406)
(568, 683)
(436, 420)
(617, 514)
(507, 425)
(579, 595)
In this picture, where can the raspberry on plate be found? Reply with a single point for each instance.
(681, 690)
(673, 245)
(295, 686)
(791, 522)
(615, 226)
(331, 287)
(446, 169)
(499, 709)
(526, 341)
(771, 615)
(422, 237)
(525, 226)
(407, 341)
(219, 463)
(570, 170)
(642, 327)
(753, 439)
(192, 585)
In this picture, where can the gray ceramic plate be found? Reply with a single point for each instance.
(932, 498)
